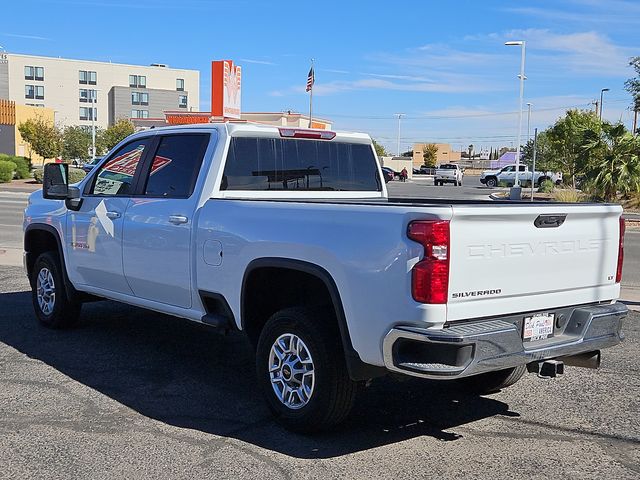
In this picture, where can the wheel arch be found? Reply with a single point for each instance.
(358, 370)
(40, 238)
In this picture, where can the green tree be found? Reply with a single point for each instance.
(429, 155)
(566, 137)
(545, 157)
(44, 137)
(76, 143)
(633, 87)
(380, 150)
(611, 156)
(110, 137)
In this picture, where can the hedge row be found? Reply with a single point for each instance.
(23, 166)
(75, 174)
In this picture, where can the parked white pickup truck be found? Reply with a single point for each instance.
(448, 173)
(289, 236)
(507, 175)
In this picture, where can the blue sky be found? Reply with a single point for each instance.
(442, 64)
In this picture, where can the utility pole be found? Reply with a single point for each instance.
(602, 100)
(398, 144)
(535, 154)
(515, 193)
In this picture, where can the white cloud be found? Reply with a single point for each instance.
(257, 62)
(26, 37)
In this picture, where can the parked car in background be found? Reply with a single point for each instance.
(449, 173)
(87, 167)
(389, 174)
(507, 175)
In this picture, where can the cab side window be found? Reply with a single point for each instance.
(116, 175)
(176, 164)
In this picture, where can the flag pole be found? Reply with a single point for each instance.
(311, 94)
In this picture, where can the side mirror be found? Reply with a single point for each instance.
(55, 184)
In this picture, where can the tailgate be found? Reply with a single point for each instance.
(446, 173)
(502, 263)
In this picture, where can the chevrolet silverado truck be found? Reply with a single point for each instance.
(289, 236)
(448, 173)
(507, 175)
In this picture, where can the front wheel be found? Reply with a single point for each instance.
(492, 182)
(491, 382)
(51, 303)
(302, 371)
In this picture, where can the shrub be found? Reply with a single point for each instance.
(75, 174)
(632, 201)
(37, 175)
(546, 187)
(567, 195)
(23, 167)
(502, 183)
(7, 169)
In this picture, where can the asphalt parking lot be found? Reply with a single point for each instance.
(130, 393)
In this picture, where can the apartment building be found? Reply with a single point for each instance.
(82, 92)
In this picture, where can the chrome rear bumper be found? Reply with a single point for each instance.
(487, 345)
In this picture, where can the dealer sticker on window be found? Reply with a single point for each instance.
(538, 327)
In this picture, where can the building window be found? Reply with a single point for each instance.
(137, 81)
(139, 113)
(88, 78)
(180, 84)
(139, 98)
(86, 113)
(34, 91)
(182, 101)
(86, 95)
(33, 73)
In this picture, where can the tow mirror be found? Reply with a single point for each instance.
(55, 183)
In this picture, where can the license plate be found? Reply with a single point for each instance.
(538, 327)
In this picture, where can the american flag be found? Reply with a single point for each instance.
(310, 79)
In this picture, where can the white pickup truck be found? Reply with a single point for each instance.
(507, 175)
(448, 173)
(288, 235)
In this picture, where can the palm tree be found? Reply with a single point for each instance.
(612, 159)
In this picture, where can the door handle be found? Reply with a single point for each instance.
(178, 219)
(113, 215)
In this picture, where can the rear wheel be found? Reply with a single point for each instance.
(491, 382)
(302, 371)
(48, 293)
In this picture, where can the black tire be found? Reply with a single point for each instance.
(60, 312)
(333, 392)
(542, 179)
(491, 382)
(492, 182)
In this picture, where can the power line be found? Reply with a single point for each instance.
(440, 117)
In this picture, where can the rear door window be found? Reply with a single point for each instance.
(175, 165)
(292, 164)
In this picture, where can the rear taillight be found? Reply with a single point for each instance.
(430, 276)
(620, 251)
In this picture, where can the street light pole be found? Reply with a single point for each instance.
(516, 185)
(93, 126)
(601, 99)
(529, 122)
(398, 145)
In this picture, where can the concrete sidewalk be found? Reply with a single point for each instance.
(26, 185)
